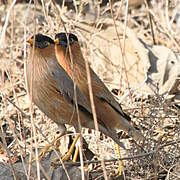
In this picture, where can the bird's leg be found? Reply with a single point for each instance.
(47, 148)
(71, 149)
(88, 154)
(75, 154)
(121, 165)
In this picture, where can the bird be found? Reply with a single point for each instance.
(52, 89)
(108, 111)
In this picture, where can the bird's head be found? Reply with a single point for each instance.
(62, 39)
(41, 41)
(68, 50)
(65, 42)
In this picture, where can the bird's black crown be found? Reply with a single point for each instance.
(42, 41)
(63, 38)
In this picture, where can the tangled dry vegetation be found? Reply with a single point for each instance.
(100, 29)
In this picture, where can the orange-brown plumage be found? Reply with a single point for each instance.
(53, 89)
(107, 109)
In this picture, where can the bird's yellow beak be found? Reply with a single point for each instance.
(57, 41)
(30, 41)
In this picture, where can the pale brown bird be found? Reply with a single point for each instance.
(108, 111)
(53, 89)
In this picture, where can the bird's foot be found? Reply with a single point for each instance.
(48, 148)
(68, 154)
(121, 165)
(74, 152)
(71, 150)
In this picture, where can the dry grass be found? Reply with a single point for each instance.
(157, 117)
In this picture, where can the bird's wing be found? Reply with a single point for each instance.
(65, 85)
(104, 94)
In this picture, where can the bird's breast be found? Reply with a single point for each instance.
(45, 94)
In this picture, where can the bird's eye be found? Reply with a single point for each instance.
(46, 43)
(71, 40)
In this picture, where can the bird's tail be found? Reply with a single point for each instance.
(125, 125)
